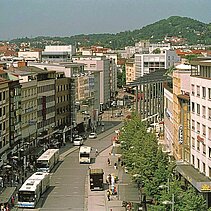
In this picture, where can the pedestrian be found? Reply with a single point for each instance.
(96, 152)
(115, 165)
(108, 195)
(119, 160)
(109, 162)
(13, 201)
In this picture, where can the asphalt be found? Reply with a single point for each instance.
(126, 189)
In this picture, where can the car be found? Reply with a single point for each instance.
(92, 135)
(118, 114)
(78, 141)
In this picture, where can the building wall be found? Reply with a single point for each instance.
(4, 120)
(46, 92)
(130, 71)
(181, 115)
(63, 101)
(168, 120)
(29, 110)
(201, 125)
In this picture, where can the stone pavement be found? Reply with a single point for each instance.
(126, 189)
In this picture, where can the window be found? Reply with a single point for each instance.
(203, 92)
(209, 133)
(209, 113)
(209, 172)
(204, 168)
(192, 89)
(193, 125)
(198, 145)
(198, 163)
(198, 127)
(198, 109)
(193, 142)
(209, 152)
(204, 130)
(193, 160)
(204, 148)
(203, 111)
(198, 91)
(209, 93)
(193, 107)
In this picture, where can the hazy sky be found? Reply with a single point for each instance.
(31, 18)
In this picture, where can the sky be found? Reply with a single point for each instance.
(31, 18)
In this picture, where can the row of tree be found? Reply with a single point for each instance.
(154, 173)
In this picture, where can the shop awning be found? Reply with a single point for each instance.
(197, 179)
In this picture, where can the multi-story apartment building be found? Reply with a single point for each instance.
(4, 119)
(63, 100)
(200, 117)
(181, 112)
(130, 71)
(186, 123)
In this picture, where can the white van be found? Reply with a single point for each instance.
(78, 141)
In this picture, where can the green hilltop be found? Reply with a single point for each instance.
(192, 31)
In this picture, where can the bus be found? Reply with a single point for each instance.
(32, 189)
(84, 154)
(47, 160)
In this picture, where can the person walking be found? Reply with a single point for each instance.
(115, 165)
(96, 152)
(108, 195)
(109, 162)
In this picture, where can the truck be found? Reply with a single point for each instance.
(96, 179)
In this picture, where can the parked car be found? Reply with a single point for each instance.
(92, 135)
(78, 141)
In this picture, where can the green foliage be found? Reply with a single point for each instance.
(193, 31)
(121, 78)
(151, 168)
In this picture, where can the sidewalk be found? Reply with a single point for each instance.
(126, 189)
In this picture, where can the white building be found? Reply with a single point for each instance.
(147, 63)
(58, 53)
(30, 55)
(200, 100)
(102, 65)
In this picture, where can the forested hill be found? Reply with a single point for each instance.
(193, 32)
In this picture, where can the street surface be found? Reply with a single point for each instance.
(68, 189)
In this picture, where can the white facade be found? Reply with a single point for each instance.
(102, 65)
(168, 120)
(60, 48)
(201, 124)
(30, 55)
(146, 63)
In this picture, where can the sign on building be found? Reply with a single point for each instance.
(180, 131)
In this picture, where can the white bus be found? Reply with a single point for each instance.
(30, 192)
(85, 154)
(48, 160)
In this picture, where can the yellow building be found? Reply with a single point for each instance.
(181, 113)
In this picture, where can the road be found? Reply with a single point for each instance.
(68, 183)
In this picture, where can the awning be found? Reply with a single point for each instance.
(197, 179)
(6, 195)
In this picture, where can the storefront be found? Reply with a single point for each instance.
(197, 179)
